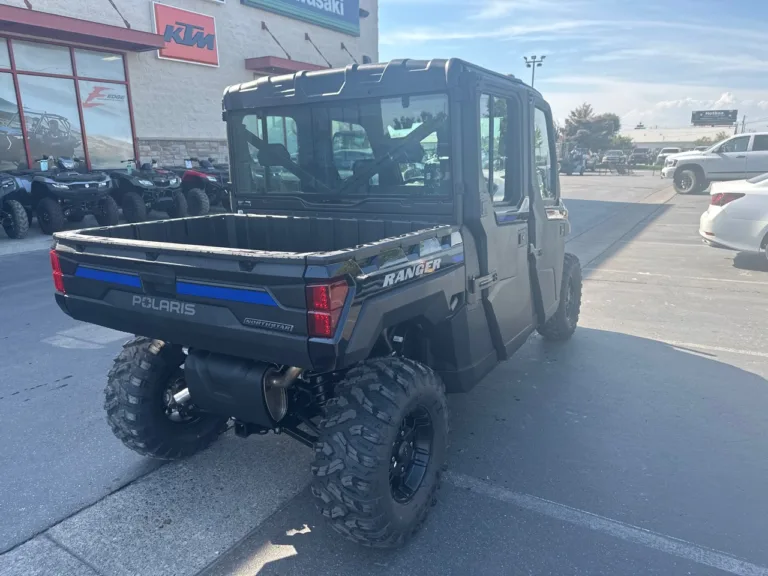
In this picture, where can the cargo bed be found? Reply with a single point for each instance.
(228, 283)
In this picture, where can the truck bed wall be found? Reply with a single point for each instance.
(264, 232)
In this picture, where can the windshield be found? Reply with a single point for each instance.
(391, 146)
(614, 152)
(669, 150)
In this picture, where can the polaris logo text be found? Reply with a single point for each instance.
(163, 305)
(407, 273)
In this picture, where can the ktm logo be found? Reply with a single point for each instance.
(101, 93)
(189, 35)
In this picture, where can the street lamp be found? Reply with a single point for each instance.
(533, 63)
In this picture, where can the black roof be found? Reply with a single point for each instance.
(354, 81)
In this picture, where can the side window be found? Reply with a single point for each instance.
(542, 156)
(760, 143)
(350, 144)
(739, 144)
(493, 146)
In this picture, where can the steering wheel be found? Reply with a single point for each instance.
(413, 179)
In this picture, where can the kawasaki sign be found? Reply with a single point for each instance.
(341, 15)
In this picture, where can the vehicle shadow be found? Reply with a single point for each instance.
(750, 261)
(626, 427)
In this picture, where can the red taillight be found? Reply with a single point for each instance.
(722, 198)
(58, 276)
(324, 304)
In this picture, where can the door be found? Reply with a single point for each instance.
(757, 157)
(732, 161)
(508, 299)
(550, 224)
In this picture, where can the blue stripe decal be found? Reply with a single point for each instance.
(221, 293)
(107, 276)
(458, 258)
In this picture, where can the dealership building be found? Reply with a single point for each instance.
(113, 80)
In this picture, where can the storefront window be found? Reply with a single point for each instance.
(12, 151)
(104, 65)
(51, 116)
(107, 123)
(5, 60)
(46, 58)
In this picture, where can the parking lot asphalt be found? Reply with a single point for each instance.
(635, 448)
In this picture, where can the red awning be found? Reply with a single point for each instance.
(65, 29)
(271, 65)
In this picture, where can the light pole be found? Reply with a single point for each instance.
(533, 63)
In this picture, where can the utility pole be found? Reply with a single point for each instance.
(743, 123)
(533, 63)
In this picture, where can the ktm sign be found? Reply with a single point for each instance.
(189, 36)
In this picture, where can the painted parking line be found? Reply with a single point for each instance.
(85, 337)
(672, 276)
(627, 532)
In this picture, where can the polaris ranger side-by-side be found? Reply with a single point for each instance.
(340, 309)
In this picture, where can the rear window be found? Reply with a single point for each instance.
(370, 147)
(669, 150)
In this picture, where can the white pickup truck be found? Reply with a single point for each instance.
(739, 157)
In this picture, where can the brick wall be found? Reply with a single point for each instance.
(173, 152)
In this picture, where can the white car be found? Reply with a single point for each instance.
(665, 152)
(737, 217)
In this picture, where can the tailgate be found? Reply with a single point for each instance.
(242, 303)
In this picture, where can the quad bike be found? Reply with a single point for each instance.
(138, 191)
(63, 191)
(14, 202)
(204, 185)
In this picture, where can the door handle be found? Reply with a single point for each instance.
(741, 156)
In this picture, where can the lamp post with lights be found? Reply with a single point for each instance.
(533, 63)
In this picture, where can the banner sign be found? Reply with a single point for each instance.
(189, 36)
(714, 117)
(341, 15)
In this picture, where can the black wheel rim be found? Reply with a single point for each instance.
(685, 182)
(411, 454)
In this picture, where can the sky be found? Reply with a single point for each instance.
(650, 61)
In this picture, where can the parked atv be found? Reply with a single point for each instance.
(14, 200)
(61, 193)
(204, 185)
(138, 191)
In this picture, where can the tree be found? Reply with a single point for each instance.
(722, 135)
(588, 130)
(704, 141)
(621, 142)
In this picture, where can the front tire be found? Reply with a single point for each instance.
(179, 207)
(134, 208)
(107, 213)
(381, 450)
(142, 376)
(198, 202)
(16, 223)
(562, 324)
(50, 216)
(689, 181)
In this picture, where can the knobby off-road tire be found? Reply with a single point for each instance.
(16, 225)
(107, 212)
(562, 324)
(50, 216)
(134, 401)
(179, 207)
(355, 454)
(134, 208)
(198, 202)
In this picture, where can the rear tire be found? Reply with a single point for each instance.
(374, 482)
(16, 224)
(107, 213)
(134, 208)
(136, 411)
(198, 202)
(50, 216)
(179, 207)
(562, 324)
